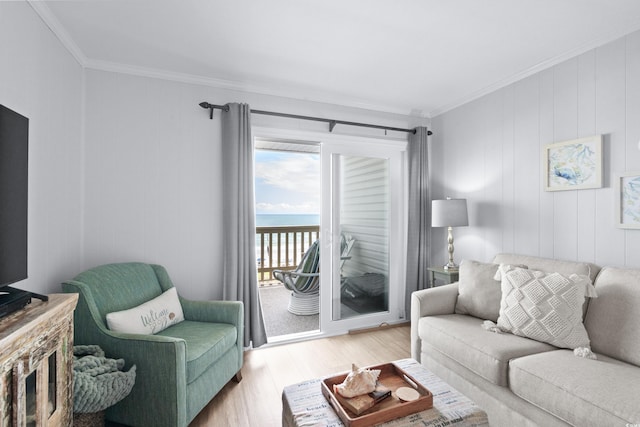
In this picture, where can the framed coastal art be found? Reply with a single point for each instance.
(628, 200)
(574, 164)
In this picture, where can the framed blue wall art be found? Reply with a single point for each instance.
(628, 200)
(574, 164)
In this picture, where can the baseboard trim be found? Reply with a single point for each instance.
(380, 327)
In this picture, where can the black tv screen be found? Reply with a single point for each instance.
(14, 177)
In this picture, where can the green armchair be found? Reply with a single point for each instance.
(180, 369)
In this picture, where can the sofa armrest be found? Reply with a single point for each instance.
(430, 302)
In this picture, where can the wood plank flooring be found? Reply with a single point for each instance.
(257, 399)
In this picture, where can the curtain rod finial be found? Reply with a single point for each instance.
(205, 104)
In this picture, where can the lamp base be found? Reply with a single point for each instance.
(451, 265)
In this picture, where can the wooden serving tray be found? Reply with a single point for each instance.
(392, 377)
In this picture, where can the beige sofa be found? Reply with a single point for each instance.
(523, 382)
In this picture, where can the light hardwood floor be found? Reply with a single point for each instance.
(257, 399)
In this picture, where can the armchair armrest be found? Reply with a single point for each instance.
(430, 302)
(231, 312)
(166, 392)
(213, 311)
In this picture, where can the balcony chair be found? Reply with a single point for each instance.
(304, 281)
(179, 369)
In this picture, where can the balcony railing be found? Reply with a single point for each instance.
(282, 247)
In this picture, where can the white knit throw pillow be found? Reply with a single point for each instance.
(545, 307)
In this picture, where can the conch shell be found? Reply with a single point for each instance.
(359, 381)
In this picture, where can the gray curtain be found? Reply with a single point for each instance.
(240, 279)
(419, 221)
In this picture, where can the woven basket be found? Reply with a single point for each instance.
(90, 419)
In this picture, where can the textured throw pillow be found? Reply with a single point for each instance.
(148, 318)
(545, 307)
(479, 294)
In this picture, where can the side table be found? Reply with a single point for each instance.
(439, 273)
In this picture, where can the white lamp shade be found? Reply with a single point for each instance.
(449, 213)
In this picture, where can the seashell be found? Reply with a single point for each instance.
(359, 381)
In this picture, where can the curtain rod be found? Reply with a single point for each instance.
(332, 122)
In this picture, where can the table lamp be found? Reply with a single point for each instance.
(449, 213)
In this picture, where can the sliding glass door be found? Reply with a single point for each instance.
(362, 226)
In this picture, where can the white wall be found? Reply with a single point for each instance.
(490, 152)
(40, 80)
(152, 174)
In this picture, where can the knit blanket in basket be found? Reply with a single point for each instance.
(98, 382)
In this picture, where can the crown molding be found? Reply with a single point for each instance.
(300, 94)
(50, 20)
(61, 33)
(544, 65)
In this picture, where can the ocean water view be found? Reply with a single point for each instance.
(271, 246)
(275, 220)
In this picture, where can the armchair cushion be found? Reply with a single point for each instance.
(206, 343)
(148, 318)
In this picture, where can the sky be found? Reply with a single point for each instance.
(287, 183)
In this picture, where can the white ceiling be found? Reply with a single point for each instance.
(419, 57)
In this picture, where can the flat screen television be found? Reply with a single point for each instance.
(14, 177)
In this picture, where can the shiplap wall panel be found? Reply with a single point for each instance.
(527, 170)
(546, 209)
(586, 201)
(610, 121)
(490, 214)
(632, 155)
(565, 120)
(476, 129)
(508, 169)
(466, 174)
(597, 92)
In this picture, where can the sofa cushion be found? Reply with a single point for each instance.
(206, 343)
(582, 392)
(544, 306)
(612, 318)
(462, 339)
(549, 265)
(478, 292)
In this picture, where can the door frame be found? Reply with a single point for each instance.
(357, 146)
